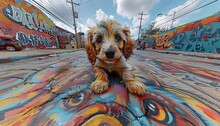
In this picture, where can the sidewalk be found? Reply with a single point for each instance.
(193, 54)
(6, 56)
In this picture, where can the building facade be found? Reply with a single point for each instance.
(22, 21)
(199, 36)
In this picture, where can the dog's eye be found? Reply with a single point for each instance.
(99, 40)
(117, 38)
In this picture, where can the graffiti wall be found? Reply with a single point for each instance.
(64, 37)
(198, 36)
(21, 21)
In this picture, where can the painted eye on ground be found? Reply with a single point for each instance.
(117, 38)
(157, 111)
(74, 101)
(99, 40)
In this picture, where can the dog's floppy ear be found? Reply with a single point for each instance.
(129, 45)
(90, 49)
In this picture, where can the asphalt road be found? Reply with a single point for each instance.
(181, 90)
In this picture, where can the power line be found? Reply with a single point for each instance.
(177, 10)
(187, 5)
(50, 13)
(53, 6)
(189, 12)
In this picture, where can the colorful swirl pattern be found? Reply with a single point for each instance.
(56, 92)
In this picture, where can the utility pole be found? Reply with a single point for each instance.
(140, 23)
(80, 37)
(74, 20)
(174, 14)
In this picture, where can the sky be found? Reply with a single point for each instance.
(127, 12)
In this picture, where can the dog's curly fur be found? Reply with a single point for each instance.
(108, 45)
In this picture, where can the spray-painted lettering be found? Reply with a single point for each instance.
(45, 41)
(205, 38)
(33, 40)
(27, 19)
(195, 37)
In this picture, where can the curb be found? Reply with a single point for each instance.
(186, 54)
(16, 58)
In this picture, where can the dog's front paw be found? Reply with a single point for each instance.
(99, 86)
(136, 87)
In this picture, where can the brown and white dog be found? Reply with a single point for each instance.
(108, 46)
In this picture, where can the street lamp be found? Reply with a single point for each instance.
(173, 19)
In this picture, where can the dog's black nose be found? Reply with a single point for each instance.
(110, 53)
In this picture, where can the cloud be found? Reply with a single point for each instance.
(111, 17)
(90, 22)
(82, 28)
(130, 9)
(100, 15)
(134, 31)
(165, 20)
(136, 20)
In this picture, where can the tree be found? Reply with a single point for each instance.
(151, 30)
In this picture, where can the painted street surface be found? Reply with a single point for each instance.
(54, 91)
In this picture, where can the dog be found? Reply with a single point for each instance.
(108, 46)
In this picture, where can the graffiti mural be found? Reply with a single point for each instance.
(64, 37)
(54, 93)
(22, 21)
(199, 36)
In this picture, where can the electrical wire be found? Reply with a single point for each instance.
(188, 12)
(50, 13)
(178, 10)
(187, 5)
(60, 13)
